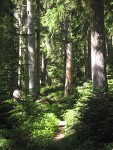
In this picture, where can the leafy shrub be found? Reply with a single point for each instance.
(99, 117)
(70, 117)
(108, 146)
(43, 129)
(94, 123)
(5, 143)
(32, 126)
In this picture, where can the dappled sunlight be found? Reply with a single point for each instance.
(98, 76)
(50, 49)
(89, 123)
(82, 120)
(68, 75)
(98, 62)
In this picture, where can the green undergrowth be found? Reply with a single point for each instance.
(89, 123)
(88, 117)
(28, 125)
(52, 92)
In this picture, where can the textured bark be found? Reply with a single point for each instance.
(68, 78)
(65, 39)
(23, 61)
(38, 50)
(67, 58)
(89, 54)
(98, 47)
(43, 70)
(85, 60)
(109, 41)
(31, 48)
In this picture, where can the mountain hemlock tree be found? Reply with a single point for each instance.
(43, 69)
(31, 48)
(68, 77)
(98, 47)
(89, 54)
(38, 50)
(109, 43)
(21, 24)
(23, 52)
(67, 56)
(85, 60)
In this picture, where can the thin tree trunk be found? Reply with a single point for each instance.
(98, 47)
(38, 50)
(31, 48)
(110, 50)
(20, 61)
(44, 70)
(85, 60)
(20, 45)
(22, 70)
(67, 58)
(68, 78)
(65, 39)
(89, 55)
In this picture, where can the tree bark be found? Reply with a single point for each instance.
(85, 60)
(98, 47)
(31, 48)
(109, 50)
(23, 61)
(89, 55)
(38, 50)
(68, 78)
(44, 70)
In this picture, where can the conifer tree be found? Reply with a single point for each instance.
(98, 47)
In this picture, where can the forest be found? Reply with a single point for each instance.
(56, 74)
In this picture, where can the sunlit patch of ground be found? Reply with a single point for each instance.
(59, 134)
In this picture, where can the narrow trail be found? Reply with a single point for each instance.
(59, 136)
(61, 127)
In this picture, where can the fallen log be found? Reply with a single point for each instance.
(50, 101)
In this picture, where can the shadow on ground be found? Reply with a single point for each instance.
(94, 130)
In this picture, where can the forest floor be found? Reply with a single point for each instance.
(58, 139)
(59, 135)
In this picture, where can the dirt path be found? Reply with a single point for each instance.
(59, 136)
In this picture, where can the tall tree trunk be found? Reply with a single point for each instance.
(67, 58)
(38, 50)
(89, 54)
(22, 70)
(65, 40)
(31, 48)
(44, 70)
(109, 41)
(98, 47)
(20, 45)
(85, 60)
(68, 78)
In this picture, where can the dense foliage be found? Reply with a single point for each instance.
(31, 124)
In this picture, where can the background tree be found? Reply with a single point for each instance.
(31, 47)
(98, 47)
(109, 30)
(21, 16)
(64, 26)
(38, 49)
(8, 50)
